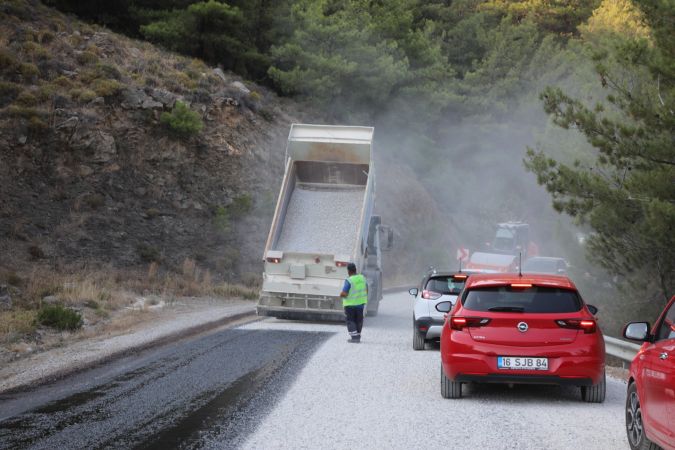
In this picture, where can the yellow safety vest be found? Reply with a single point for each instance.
(358, 292)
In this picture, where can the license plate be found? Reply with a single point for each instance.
(522, 363)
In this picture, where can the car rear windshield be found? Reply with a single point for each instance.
(445, 285)
(533, 300)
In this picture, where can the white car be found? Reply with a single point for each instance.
(436, 287)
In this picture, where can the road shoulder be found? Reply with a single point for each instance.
(181, 319)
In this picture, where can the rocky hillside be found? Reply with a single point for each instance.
(90, 174)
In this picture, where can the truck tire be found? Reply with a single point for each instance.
(418, 340)
(595, 393)
(449, 388)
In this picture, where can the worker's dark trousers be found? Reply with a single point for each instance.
(354, 315)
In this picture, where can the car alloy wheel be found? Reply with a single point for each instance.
(634, 419)
(635, 430)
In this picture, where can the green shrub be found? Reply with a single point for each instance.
(148, 253)
(63, 82)
(107, 88)
(59, 317)
(46, 37)
(86, 57)
(26, 99)
(8, 92)
(45, 92)
(87, 95)
(182, 121)
(7, 60)
(241, 205)
(24, 112)
(28, 70)
(221, 219)
(108, 71)
(36, 50)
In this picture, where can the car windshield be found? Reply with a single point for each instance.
(445, 285)
(533, 300)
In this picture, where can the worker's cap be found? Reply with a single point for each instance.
(351, 267)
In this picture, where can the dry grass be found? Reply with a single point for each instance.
(104, 295)
(17, 322)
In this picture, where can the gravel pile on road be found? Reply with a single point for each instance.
(383, 394)
(321, 221)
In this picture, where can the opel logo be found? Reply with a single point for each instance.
(522, 327)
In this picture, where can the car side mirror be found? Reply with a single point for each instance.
(413, 292)
(637, 331)
(592, 309)
(443, 307)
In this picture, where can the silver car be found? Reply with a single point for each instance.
(436, 287)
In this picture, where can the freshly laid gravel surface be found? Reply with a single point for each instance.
(383, 394)
(321, 221)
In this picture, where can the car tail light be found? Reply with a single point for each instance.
(459, 277)
(459, 323)
(341, 263)
(587, 325)
(430, 295)
(521, 285)
(273, 260)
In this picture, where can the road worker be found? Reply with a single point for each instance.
(354, 298)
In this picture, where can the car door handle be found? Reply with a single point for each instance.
(663, 355)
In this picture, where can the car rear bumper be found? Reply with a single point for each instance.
(524, 379)
(563, 370)
(429, 327)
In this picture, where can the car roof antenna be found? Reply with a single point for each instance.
(460, 266)
(520, 264)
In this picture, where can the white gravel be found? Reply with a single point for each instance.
(382, 394)
(321, 221)
(182, 316)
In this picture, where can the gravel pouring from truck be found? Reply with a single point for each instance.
(323, 220)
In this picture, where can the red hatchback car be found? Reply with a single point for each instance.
(650, 404)
(509, 328)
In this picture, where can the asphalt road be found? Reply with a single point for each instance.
(283, 384)
(203, 392)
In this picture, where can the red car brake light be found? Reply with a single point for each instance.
(430, 295)
(589, 326)
(459, 323)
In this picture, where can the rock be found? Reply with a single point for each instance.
(98, 101)
(167, 98)
(69, 124)
(23, 139)
(104, 147)
(136, 53)
(133, 98)
(50, 300)
(114, 167)
(85, 171)
(151, 104)
(5, 298)
(241, 87)
(220, 74)
(69, 73)
(140, 191)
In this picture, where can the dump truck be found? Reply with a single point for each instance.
(323, 221)
(510, 244)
